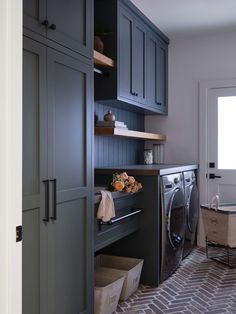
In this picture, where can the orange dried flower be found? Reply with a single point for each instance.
(118, 185)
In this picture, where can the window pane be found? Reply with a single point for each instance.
(226, 132)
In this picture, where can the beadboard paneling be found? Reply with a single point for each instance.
(116, 151)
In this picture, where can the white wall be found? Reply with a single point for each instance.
(10, 154)
(191, 60)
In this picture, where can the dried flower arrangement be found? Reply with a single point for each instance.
(124, 182)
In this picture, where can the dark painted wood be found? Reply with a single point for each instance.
(162, 77)
(70, 26)
(34, 256)
(126, 84)
(140, 61)
(70, 163)
(148, 170)
(58, 143)
(157, 74)
(107, 234)
(35, 12)
(114, 151)
(145, 242)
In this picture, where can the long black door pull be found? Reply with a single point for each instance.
(54, 199)
(213, 176)
(46, 217)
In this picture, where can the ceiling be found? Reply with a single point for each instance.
(182, 18)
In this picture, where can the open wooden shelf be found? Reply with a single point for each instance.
(102, 61)
(128, 133)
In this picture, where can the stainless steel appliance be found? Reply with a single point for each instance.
(172, 223)
(192, 210)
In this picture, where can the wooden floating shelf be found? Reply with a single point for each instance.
(101, 60)
(128, 133)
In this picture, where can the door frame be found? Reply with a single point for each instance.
(11, 154)
(204, 88)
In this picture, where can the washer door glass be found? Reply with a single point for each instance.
(176, 219)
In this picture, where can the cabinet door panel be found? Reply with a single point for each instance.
(34, 172)
(125, 55)
(67, 269)
(139, 62)
(70, 162)
(34, 15)
(73, 20)
(162, 76)
(152, 73)
(31, 262)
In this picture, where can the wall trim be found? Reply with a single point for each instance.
(11, 154)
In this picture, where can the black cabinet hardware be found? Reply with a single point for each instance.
(18, 233)
(211, 165)
(45, 23)
(53, 27)
(213, 176)
(112, 221)
(54, 199)
(46, 217)
(132, 93)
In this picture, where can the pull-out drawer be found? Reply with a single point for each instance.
(127, 220)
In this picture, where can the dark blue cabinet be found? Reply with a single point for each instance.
(157, 67)
(69, 25)
(131, 85)
(131, 58)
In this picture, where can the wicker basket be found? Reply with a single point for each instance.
(220, 224)
(122, 266)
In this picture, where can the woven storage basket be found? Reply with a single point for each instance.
(220, 224)
(106, 291)
(123, 266)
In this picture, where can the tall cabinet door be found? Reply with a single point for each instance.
(34, 173)
(34, 15)
(162, 70)
(139, 61)
(125, 54)
(157, 74)
(70, 169)
(70, 24)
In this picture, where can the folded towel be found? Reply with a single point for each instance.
(106, 209)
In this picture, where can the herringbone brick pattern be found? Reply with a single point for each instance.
(198, 286)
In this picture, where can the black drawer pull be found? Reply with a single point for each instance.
(112, 221)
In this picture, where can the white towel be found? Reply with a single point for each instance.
(106, 209)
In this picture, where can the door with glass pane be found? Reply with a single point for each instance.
(221, 147)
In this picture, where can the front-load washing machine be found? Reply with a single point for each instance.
(192, 210)
(172, 223)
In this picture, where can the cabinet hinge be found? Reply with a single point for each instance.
(18, 233)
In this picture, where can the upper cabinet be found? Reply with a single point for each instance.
(68, 24)
(157, 67)
(131, 58)
(140, 50)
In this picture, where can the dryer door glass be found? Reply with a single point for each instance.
(176, 219)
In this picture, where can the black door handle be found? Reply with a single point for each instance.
(45, 23)
(213, 176)
(46, 217)
(53, 27)
(54, 206)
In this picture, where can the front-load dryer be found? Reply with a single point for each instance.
(172, 223)
(192, 210)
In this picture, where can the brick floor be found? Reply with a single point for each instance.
(198, 286)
